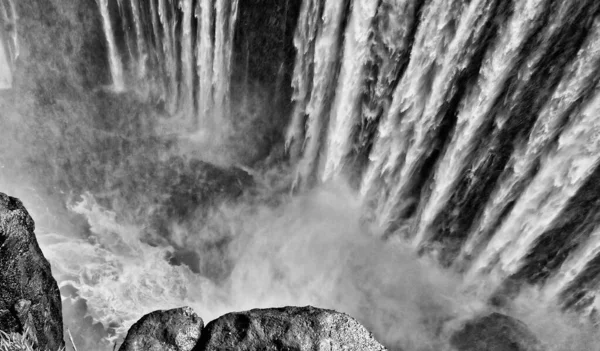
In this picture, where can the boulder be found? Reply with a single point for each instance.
(495, 332)
(29, 295)
(173, 330)
(288, 328)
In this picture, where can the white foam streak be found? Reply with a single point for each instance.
(411, 95)
(205, 63)
(220, 65)
(304, 38)
(576, 80)
(347, 104)
(561, 174)
(499, 62)
(170, 64)
(325, 63)
(141, 44)
(116, 66)
(6, 75)
(187, 57)
(573, 267)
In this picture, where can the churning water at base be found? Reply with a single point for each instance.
(467, 130)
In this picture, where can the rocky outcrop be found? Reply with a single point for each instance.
(173, 330)
(289, 328)
(29, 295)
(495, 332)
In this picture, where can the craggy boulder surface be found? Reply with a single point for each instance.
(173, 330)
(29, 295)
(289, 328)
(495, 332)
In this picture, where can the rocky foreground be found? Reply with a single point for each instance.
(30, 304)
(29, 296)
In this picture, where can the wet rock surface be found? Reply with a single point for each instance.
(289, 328)
(495, 332)
(172, 330)
(29, 295)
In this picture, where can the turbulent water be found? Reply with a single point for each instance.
(468, 132)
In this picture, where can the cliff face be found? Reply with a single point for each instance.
(29, 295)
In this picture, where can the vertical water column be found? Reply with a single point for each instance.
(578, 82)
(395, 131)
(9, 45)
(204, 64)
(158, 65)
(187, 58)
(347, 104)
(127, 33)
(173, 20)
(141, 44)
(326, 60)
(226, 16)
(304, 41)
(499, 64)
(116, 66)
(11, 23)
(170, 64)
(560, 176)
(233, 15)
(6, 77)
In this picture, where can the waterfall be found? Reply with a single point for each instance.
(6, 78)
(498, 64)
(141, 45)
(114, 59)
(187, 57)
(325, 67)
(9, 42)
(225, 18)
(476, 124)
(304, 42)
(170, 64)
(11, 24)
(352, 76)
(205, 61)
(188, 40)
(9, 45)
(413, 162)
(468, 128)
(577, 83)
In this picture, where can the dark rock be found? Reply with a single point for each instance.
(173, 330)
(29, 295)
(289, 328)
(495, 332)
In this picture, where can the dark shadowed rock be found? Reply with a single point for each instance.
(29, 295)
(495, 332)
(173, 330)
(289, 328)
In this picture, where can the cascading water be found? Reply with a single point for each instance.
(183, 57)
(487, 101)
(116, 66)
(467, 130)
(9, 42)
